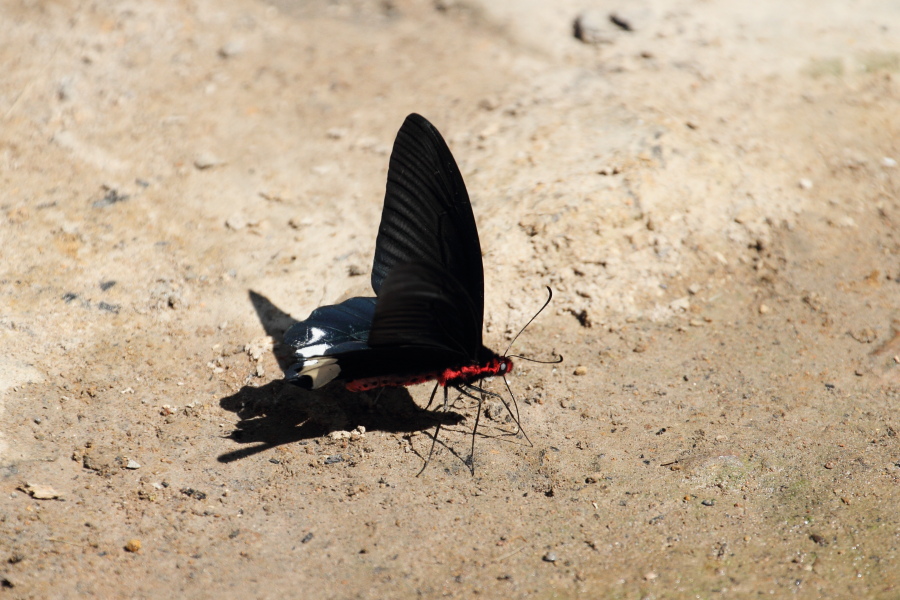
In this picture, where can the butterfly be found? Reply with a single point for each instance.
(425, 321)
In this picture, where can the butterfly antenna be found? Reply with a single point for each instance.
(558, 360)
(549, 298)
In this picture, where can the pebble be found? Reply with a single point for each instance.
(591, 27)
(580, 370)
(299, 222)
(132, 464)
(493, 410)
(805, 184)
(829, 465)
(650, 576)
(231, 49)
(133, 545)
(40, 492)
(866, 335)
(708, 502)
(65, 90)
(888, 162)
(206, 160)
(550, 557)
(334, 458)
(237, 221)
(192, 493)
(102, 460)
(764, 309)
(112, 197)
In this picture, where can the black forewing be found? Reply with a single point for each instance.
(427, 218)
(423, 306)
(331, 330)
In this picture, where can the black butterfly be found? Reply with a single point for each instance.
(426, 321)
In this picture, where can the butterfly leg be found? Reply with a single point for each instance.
(474, 431)
(514, 415)
(430, 400)
(437, 428)
(374, 402)
(467, 391)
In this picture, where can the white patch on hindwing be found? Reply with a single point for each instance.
(320, 369)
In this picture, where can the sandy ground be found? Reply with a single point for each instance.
(711, 189)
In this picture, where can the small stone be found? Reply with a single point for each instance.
(237, 221)
(192, 493)
(888, 162)
(694, 289)
(206, 160)
(805, 184)
(591, 27)
(231, 49)
(609, 170)
(132, 464)
(550, 557)
(489, 103)
(133, 545)
(299, 222)
(493, 410)
(829, 465)
(866, 335)
(580, 370)
(102, 460)
(650, 576)
(335, 458)
(764, 309)
(40, 492)
(708, 502)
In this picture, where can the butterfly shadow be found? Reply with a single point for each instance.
(280, 413)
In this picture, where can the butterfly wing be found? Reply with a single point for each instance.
(329, 332)
(427, 216)
(427, 273)
(424, 306)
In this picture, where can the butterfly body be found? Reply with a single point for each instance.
(451, 376)
(425, 322)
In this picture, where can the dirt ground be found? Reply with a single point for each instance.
(710, 188)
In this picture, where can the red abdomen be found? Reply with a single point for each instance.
(499, 365)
